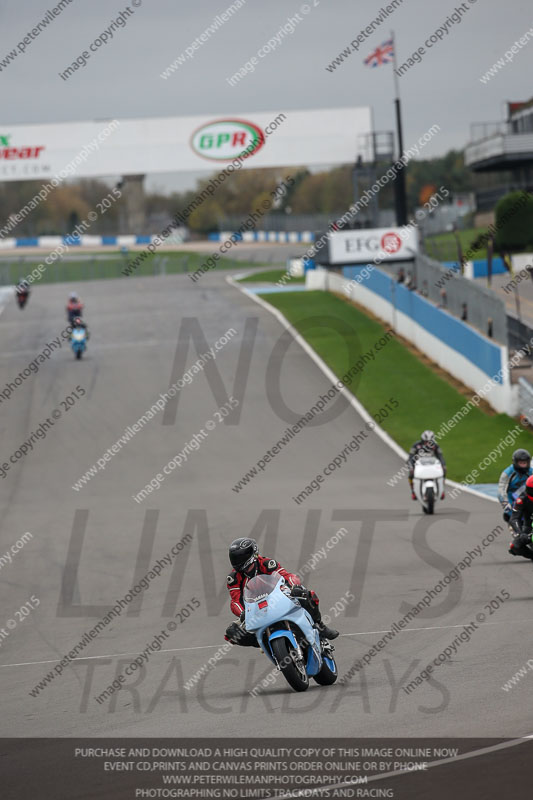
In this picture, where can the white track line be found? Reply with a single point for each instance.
(474, 754)
(212, 646)
(361, 410)
(108, 655)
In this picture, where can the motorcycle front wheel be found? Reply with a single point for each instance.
(429, 504)
(285, 655)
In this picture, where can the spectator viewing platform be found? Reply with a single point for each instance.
(496, 146)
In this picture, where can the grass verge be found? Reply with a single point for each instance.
(425, 398)
(443, 246)
(109, 265)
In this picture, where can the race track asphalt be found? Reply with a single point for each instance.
(88, 547)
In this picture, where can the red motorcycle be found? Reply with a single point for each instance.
(23, 294)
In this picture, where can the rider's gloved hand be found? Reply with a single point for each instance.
(299, 591)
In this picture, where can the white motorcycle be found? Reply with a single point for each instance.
(428, 482)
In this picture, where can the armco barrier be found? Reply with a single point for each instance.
(128, 240)
(85, 240)
(456, 347)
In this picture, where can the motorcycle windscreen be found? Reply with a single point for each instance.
(260, 587)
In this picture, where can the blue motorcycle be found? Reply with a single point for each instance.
(78, 341)
(286, 634)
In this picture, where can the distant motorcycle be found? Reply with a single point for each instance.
(22, 292)
(22, 298)
(286, 633)
(428, 482)
(78, 341)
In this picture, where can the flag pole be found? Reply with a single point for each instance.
(401, 191)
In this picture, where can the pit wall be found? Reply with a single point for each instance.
(475, 360)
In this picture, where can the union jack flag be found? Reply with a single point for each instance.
(381, 55)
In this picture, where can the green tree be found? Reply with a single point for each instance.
(514, 223)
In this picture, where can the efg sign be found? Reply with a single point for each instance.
(365, 246)
(226, 139)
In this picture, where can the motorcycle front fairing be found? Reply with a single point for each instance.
(429, 472)
(272, 605)
(78, 337)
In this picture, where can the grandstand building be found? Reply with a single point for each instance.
(505, 148)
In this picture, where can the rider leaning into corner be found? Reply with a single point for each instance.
(521, 522)
(247, 563)
(512, 481)
(425, 446)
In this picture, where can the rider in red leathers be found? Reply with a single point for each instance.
(74, 307)
(247, 563)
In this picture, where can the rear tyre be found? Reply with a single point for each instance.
(430, 501)
(285, 654)
(78, 353)
(326, 676)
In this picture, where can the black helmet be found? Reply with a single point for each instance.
(243, 555)
(521, 455)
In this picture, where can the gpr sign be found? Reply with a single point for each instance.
(364, 246)
(146, 146)
(9, 152)
(226, 139)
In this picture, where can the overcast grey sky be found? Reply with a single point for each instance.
(123, 78)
